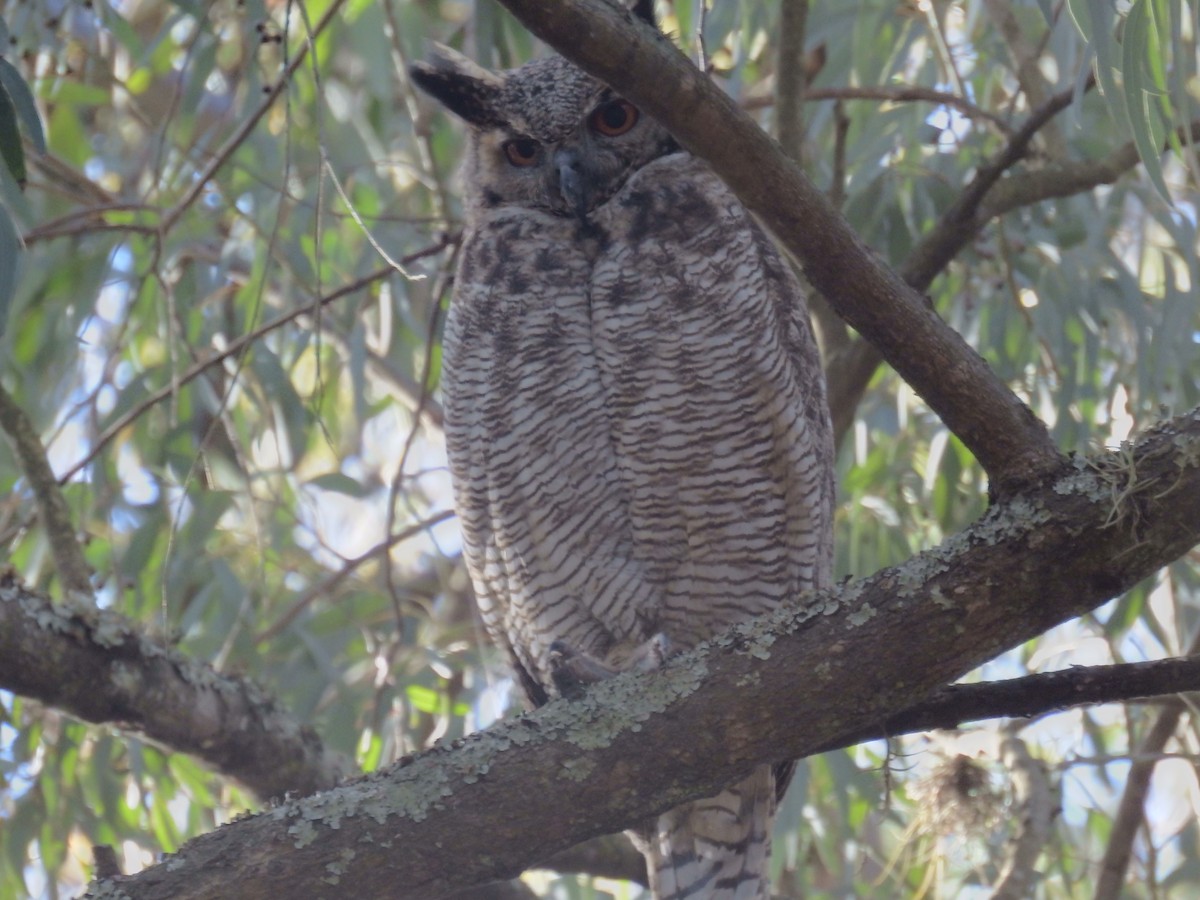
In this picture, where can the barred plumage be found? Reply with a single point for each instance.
(635, 413)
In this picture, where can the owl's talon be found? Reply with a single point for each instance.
(573, 671)
(650, 655)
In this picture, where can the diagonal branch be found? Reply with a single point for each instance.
(221, 157)
(956, 227)
(97, 666)
(1008, 440)
(1065, 179)
(73, 569)
(639, 744)
(1034, 695)
(1130, 814)
(1033, 802)
(1132, 809)
(857, 363)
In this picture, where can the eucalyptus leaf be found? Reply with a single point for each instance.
(11, 151)
(10, 264)
(22, 99)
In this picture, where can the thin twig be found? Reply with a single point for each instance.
(325, 587)
(908, 94)
(410, 441)
(236, 139)
(235, 347)
(943, 242)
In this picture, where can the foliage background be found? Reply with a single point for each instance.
(237, 383)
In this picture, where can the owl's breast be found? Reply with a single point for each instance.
(715, 398)
(544, 516)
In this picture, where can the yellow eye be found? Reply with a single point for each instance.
(614, 118)
(523, 152)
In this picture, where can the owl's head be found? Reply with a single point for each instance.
(545, 136)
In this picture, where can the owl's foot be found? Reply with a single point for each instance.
(573, 671)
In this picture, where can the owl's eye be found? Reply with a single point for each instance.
(614, 118)
(523, 152)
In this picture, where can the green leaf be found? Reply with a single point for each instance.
(340, 483)
(425, 699)
(1147, 130)
(22, 98)
(11, 150)
(10, 258)
(1094, 19)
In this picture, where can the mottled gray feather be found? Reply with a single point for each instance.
(636, 422)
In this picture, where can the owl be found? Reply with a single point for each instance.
(635, 414)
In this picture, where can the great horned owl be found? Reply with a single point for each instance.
(635, 413)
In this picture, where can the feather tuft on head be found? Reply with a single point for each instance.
(464, 87)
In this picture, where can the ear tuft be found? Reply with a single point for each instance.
(465, 88)
(644, 10)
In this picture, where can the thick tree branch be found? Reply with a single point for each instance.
(1008, 440)
(97, 666)
(639, 744)
(610, 856)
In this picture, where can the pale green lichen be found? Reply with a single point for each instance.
(47, 617)
(612, 707)
(940, 599)
(749, 680)
(109, 632)
(912, 576)
(422, 787)
(339, 867)
(1187, 450)
(861, 616)
(106, 890)
(577, 769)
(125, 678)
(759, 649)
(304, 833)
(1084, 483)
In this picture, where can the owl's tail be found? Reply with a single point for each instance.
(715, 849)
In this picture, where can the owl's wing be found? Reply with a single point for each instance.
(546, 535)
(717, 402)
(723, 445)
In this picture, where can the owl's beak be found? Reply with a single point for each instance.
(572, 181)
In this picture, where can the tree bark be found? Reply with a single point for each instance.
(781, 686)
(100, 667)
